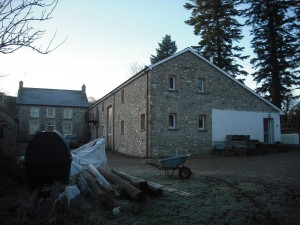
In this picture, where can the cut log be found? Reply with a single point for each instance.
(93, 170)
(125, 186)
(155, 189)
(105, 188)
(135, 181)
(106, 200)
(83, 186)
(95, 189)
(172, 190)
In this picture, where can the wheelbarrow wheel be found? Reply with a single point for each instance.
(185, 172)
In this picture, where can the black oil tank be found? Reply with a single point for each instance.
(47, 159)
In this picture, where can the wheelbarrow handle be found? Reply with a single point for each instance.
(155, 165)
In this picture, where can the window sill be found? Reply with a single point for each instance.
(202, 130)
(170, 90)
(172, 129)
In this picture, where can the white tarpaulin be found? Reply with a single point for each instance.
(90, 153)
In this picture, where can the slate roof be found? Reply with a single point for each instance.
(52, 97)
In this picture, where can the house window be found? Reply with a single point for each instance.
(102, 131)
(201, 85)
(172, 121)
(202, 122)
(68, 113)
(143, 122)
(67, 128)
(122, 127)
(35, 112)
(50, 126)
(34, 126)
(102, 110)
(122, 96)
(172, 83)
(98, 113)
(50, 112)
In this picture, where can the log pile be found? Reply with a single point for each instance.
(105, 187)
(93, 187)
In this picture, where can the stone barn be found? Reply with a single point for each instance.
(183, 103)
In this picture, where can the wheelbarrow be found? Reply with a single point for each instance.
(171, 164)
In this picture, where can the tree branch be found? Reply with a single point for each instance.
(16, 30)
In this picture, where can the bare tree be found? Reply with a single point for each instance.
(16, 24)
(135, 67)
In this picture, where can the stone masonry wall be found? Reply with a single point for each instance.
(79, 126)
(187, 103)
(129, 108)
(133, 140)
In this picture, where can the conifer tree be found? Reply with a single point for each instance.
(275, 45)
(166, 48)
(215, 21)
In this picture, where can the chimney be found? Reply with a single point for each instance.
(20, 85)
(83, 88)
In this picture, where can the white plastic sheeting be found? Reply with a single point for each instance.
(90, 153)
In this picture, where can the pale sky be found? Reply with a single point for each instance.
(104, 38)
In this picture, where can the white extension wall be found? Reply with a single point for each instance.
(230, 122)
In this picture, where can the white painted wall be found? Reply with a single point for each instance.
(230, 122)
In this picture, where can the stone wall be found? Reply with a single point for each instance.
(132, 140)
(187, 103)
(79, 125)
(127, 104)
(148, 94)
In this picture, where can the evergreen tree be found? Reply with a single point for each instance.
(216, 22)
(275, 45)
(166, 48)
(296, 27)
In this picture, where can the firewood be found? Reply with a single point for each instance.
(93, 170)
(95, 189)
(135, 181)
(125, 186)
(104, 187)
(83, 186)
(155, 189)
(99, 197)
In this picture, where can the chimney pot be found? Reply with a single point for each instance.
(20, 85)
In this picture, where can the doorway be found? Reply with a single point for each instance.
(268, 130)
(109, 130)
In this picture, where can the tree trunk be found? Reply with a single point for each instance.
(93, 170)
(83, 186)
(106, 200)
(125, 186)
(155, 189)
(135, 181)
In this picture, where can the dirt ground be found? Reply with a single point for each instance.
(262, 189)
